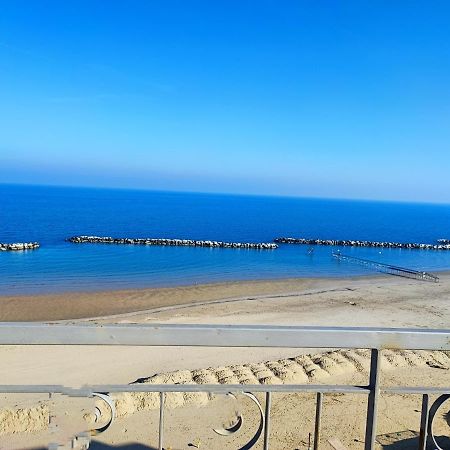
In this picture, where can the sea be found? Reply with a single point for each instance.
(50, 215)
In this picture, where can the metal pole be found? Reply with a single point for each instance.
(372, 403)
(161, 420)
(319, 402)
(267, 420)
(424, 423)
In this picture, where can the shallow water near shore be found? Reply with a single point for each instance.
(50, 215)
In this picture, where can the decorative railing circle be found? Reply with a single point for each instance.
(432, 416)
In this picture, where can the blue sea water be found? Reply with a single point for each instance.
(51, 214)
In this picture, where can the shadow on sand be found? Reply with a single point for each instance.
(100, 446)
(404, 444)
(413, 443)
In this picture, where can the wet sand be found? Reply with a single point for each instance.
(77, 305)
(82, 305)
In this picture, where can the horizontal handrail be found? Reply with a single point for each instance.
(18, 333)
(89, 390)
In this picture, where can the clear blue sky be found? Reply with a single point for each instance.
(310, 98)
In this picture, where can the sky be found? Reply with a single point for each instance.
(304, 98)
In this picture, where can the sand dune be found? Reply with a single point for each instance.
(23, 420)
(315, 368)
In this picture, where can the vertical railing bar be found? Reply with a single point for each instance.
(372, 403)
(267, 420)
(319, 402)
(161, 420)
(424, 423)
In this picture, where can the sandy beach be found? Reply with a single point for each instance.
(366, 301)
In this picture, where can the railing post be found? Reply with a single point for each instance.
(372, 403)
(267, 420)
(319, 402)
(424, 423)
(161, 420)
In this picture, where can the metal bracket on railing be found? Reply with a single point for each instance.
(108, 400)
(234, 428)
(240, 420)
(432, 414)
(82, 441)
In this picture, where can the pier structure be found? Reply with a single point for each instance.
(172, 242)
(387, 268)
(18, 246)
(442, 245)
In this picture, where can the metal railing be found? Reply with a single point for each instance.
(375, 339)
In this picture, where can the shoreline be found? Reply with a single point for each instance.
(111, 303)
(104, 303)
(339, 277)
(176, 285)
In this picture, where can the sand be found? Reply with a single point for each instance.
(76, 305)
(374, 301)
(303, 369)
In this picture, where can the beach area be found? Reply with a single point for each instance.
(374, 301)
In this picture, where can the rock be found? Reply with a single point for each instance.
(172, 242)
(18, 246)
(443, 244)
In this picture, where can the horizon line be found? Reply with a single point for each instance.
(236, 194)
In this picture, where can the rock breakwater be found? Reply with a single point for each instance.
(18, 246)
(172, 242)
(351, 243)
